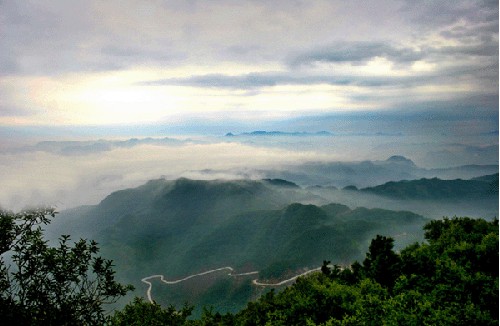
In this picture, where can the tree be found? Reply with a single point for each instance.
(44, 285)
(451, 280)
(140, 312)
(381, 263)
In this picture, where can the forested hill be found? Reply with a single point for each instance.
(451, 279)
(184, 227)
(436, 189)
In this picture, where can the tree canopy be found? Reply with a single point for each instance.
(42, 285)
(450, 279)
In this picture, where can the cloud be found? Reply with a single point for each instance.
(488, 49)
(247, 81)
(432, 14)
(55, 37)
(50, 37)
(14, 111)
(72, 148)
(362, 52)
(53, 178)
(75, 62)
(357, 52)
(396, 91)
(270, 79)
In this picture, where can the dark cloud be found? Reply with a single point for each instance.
(259, 80)
(47, 37)
(481, 50)
(472, 26)
(254, 81)
(358, 52)
(56, 37)
(225, 81)
(430, 14)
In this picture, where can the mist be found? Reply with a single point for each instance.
(67, 174)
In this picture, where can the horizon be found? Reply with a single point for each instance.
(418, 79)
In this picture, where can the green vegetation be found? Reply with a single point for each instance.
(183, 227)
(275, 242)
(480, 187)
(452, 279)
(44, 285)
(140, 312)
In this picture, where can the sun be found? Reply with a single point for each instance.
(116, 100)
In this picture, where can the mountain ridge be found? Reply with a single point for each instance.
(435, 188)
(183, 227)
(280, 133)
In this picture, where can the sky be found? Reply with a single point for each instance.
(98, 63)
(387, 77)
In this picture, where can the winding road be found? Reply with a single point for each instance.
(146, 280)
(256, 282)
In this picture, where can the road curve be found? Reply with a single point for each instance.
(162, 279)
(255, 282)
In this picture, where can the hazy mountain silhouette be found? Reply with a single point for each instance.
(185, 226)
(436, 189)
(370, 173)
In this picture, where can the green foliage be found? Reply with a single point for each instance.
(436, 189)
(381, 263)
(184, 227)
(140, 312)
(43, 285)
(451, 280)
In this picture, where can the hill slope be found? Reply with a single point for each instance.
(182, 227)
(436, 189)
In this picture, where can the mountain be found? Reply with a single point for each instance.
(280, 133)
(279, 244)
(183, 227)
(492, 178)
(436, 189)
(401, 159)
(461, 172)
(370, 173)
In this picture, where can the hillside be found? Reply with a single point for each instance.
(450, 279)
(270, 228)
(437, 189)
(182, 227)
(371, 173)
(275, 242)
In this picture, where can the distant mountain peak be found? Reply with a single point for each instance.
(280, 133)
(281, 183)
(400, 159)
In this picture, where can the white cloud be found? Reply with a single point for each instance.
(37, 177)
(77, 63)
(67, 174)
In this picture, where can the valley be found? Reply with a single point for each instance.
(255, 282)
(169, 238)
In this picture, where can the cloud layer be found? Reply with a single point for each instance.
(71, 173)
(94, 62)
